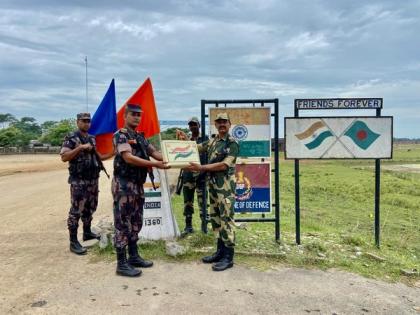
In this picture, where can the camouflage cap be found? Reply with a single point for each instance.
(134, 108)
(194, 119)
(221, 116)
(83, 116)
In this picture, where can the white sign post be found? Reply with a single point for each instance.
(158, 219)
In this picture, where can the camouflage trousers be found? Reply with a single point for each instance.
(128, 211)
(128, 219)
(84, 200)
(222, 201)
(190, 186)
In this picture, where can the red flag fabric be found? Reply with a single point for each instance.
(104, 143)
(149, 123)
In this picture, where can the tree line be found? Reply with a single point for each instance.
(19, 132)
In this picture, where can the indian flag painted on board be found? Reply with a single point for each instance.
(314, 135)
(250, 127)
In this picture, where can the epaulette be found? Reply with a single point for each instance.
(121, 130)
(70, 135)
(232, 139)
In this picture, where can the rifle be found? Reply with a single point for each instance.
(101, 165)
(151, 176)
(98, 158)
(147, 157)
(179, 183)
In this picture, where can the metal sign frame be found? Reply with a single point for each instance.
(377, 173)
(328, 103)
(275, 170)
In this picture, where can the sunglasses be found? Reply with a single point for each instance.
(86, 121)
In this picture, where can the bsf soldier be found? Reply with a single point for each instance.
(193, 181)
(79, 149)
(131, 166)
(222, 151)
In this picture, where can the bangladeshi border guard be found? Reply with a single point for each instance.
(85, 164)
(131, 165)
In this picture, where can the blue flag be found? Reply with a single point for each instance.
(104, 121)
(105, 118)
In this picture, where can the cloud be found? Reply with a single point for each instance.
(208, 49)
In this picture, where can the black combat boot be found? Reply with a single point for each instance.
(227, 260)
(188, 226)
(75, 246)
(135, 259)
(217, 256)
(123, 267)
(88, 234)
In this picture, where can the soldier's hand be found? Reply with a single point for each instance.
(180, 135)
(193, 167)
(162, 165)
(87, 146)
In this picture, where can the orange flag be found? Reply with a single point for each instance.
(149, 123)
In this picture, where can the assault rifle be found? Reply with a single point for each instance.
(179, 183)
(100, 163)
(98, 158)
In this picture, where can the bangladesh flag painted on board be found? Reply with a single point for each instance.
(361, 134)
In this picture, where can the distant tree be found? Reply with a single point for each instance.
(6, 119)
(47, 125)
(11, 136)
(28, 125)
(29, 128)
(55, 133)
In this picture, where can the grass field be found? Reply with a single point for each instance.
(337, 221)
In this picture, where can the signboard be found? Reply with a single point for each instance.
(339, 103)
(158, 220)
(250, 127)
(253, 193)
(179, 153)
(338, 137)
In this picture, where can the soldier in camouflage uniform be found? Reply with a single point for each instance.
(222, 152)
(193, 181)
(79, 149)
(131, 166)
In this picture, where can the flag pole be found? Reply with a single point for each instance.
(87, 103)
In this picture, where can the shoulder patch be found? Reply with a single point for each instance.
(232, 139)
(70, 135)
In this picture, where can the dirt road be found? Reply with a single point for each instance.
(40, 275)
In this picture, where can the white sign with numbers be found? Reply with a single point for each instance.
(158, 219)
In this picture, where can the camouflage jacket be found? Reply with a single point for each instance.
(84, 168)
(129, 179)
(224, 150)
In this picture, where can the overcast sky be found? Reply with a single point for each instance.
(195, 50)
